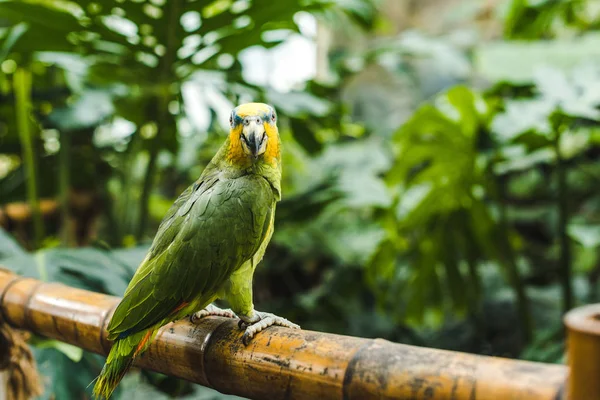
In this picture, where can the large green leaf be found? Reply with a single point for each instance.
(542, 19)
(9, 246)
(12, 36)
(86, 268)
(516, 62)
(38, 27)
(156, 46)
(440, 180)
(587, 235)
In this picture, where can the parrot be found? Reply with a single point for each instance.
(206, 247)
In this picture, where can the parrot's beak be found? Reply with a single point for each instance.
(254, 132)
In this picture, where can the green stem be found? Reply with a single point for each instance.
(524, 309)
(470, 254)
(475, 298)
(110, 207)
(22, 88)
(474, 275)
(147, 188)
(509, 261)
(563, 219)
(64, 178)
(593, 285)
(123, 215)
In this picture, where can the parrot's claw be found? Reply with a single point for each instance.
(265, 320)
(211, 310)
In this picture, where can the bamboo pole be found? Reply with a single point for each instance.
(583, 352)
(280, 363)
(3, 385)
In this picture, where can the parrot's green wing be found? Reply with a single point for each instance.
(212, 229)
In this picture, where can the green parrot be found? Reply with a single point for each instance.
(206, 247)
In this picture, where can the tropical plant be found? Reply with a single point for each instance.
(465, 219)
(550, 18)
(136, 65)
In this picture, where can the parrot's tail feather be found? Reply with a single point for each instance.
(119, 360)
(111, 375)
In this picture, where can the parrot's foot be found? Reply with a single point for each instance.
(260, 321)
(211, 310)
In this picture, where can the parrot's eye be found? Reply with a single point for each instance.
(231, 120)
(273, 117)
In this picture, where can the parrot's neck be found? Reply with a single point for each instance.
(268, 165)
(271, 174)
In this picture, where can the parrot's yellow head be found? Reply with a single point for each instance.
(253, 134)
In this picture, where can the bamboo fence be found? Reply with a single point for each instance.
(281, 363)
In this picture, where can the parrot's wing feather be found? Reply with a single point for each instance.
(168, 227)
(216, 227)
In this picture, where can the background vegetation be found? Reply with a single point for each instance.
(441, 167)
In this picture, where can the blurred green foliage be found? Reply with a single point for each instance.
(545, 19)
(438, 190)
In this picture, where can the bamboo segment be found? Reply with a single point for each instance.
(583, 352)
(22, 90)
(3, 385)
(280, 363)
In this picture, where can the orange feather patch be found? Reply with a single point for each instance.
(148, 334)
(180, 307)
(236, 154)
(142, 343)
(273, 152)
